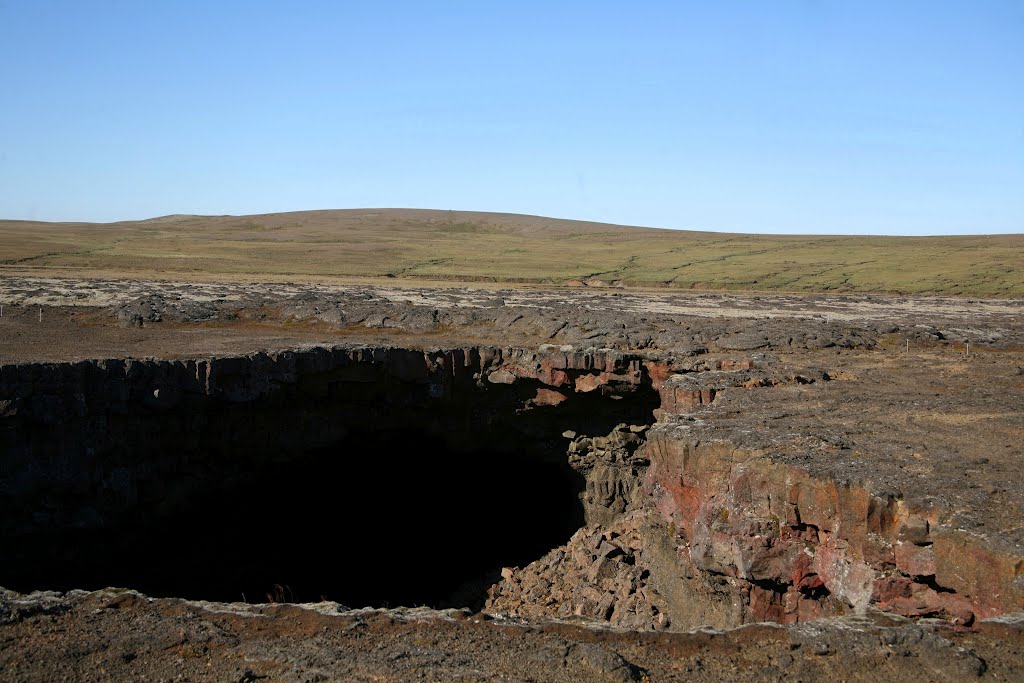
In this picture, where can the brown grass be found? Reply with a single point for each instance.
(507, 248)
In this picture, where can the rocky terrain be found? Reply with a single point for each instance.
(122, 635)
(94, 318)
(577, 484)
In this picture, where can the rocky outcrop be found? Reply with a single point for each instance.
(683, 393)
(617, 320)
(795, 548)
(737, 534)
(613, 468)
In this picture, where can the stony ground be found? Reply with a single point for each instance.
(116, 635)
(879, 389)
(64, 319)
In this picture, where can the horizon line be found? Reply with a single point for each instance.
(713, 231)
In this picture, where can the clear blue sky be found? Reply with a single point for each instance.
(901, 117)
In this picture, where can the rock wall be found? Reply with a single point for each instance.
(613, 467)
(794, 548)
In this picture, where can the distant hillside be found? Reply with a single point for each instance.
(493, 247)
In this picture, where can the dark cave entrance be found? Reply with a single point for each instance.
(377, 519)
(352, 485)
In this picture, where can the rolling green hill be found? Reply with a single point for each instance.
(490, 247)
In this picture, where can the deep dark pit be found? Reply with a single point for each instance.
(375, 519)
(357, 483)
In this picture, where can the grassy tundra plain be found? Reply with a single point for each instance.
(424, 245)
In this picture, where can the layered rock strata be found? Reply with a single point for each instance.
(796, 548)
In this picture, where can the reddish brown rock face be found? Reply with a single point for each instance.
(678, 400)
(684, 393)
(802, 548)
(579, 371)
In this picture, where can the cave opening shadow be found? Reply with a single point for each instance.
(399, 518)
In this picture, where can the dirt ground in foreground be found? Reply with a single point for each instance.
(120, 635)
